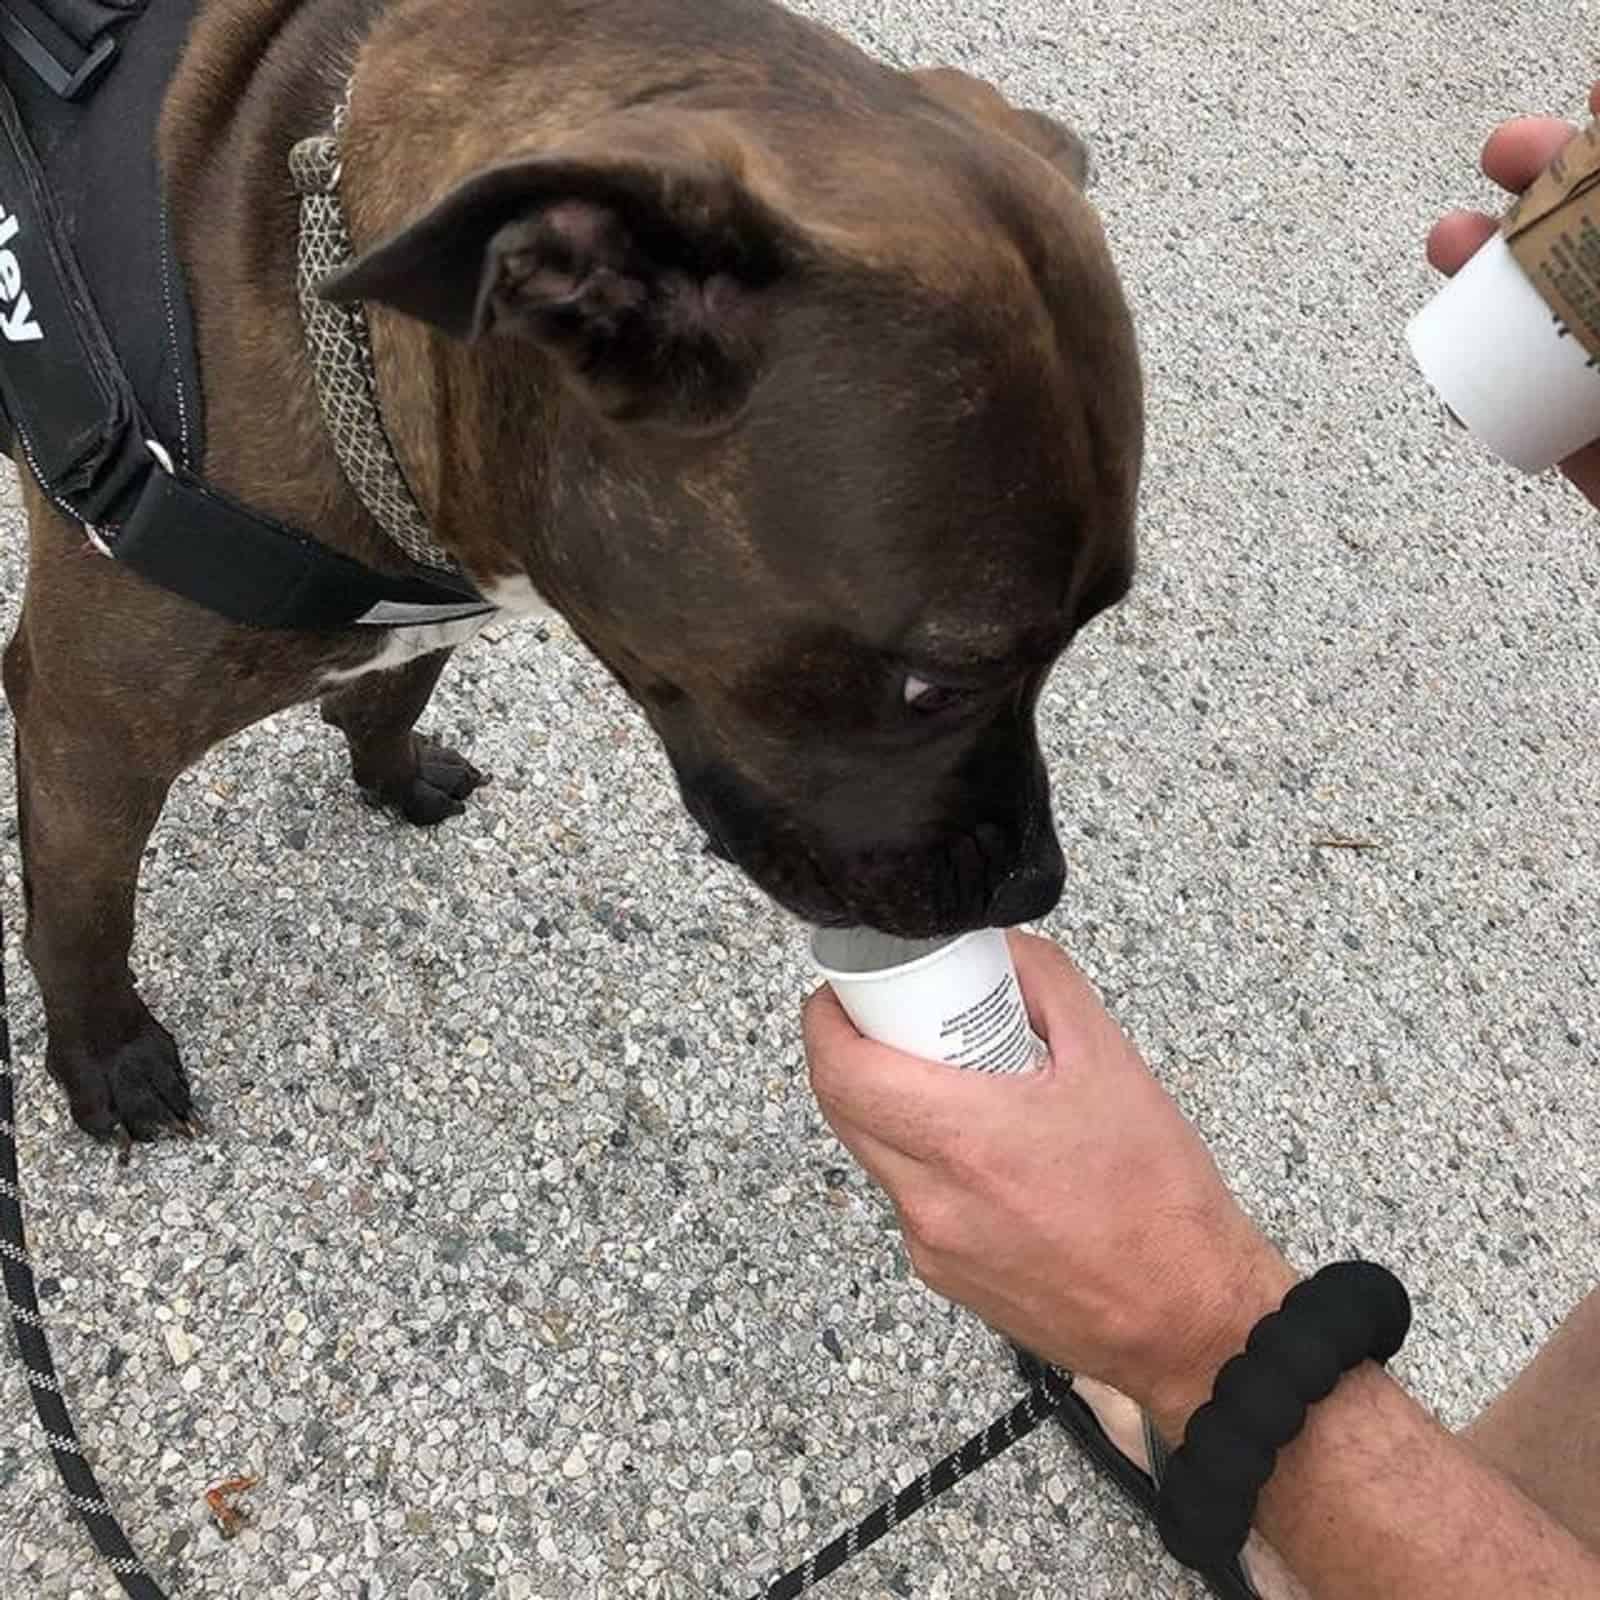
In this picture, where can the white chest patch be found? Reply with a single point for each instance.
(513, 597)
(518, 597)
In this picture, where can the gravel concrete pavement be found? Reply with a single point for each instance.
(518, 1263)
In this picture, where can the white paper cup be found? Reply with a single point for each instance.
(1501, 360)
(950, 1000)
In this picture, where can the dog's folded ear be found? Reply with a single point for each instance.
(984, 104)
(648, 281)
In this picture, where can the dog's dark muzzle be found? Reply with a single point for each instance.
(990, 874)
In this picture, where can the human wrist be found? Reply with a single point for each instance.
(1251, 1282)
(1349, 1314)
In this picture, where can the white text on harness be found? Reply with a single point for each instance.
(16, 323)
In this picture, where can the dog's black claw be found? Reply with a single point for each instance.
(427, 806)
(442, 768)
(434, 792)
(129, 1094)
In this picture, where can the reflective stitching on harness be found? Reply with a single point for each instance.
(185, 445)
(341, 356)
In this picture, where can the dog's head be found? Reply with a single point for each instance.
(836, 448)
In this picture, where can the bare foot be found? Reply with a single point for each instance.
(1124, 1426)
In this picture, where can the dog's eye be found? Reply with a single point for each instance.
(927, 699)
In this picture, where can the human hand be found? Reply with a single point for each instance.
(1073, 1208)
(1515, 154)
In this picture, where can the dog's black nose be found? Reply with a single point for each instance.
(1029, 892)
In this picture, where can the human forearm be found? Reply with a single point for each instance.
(1076, 1210)
(1374, 1500)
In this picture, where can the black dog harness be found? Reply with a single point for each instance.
(99, 377)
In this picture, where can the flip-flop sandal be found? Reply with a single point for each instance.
(1140, 1488)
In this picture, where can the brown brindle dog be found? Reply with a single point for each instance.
(803, 388)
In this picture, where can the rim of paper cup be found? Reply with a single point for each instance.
(878, 975)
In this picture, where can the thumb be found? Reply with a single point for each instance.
(912, 1106)
(1061, 1001)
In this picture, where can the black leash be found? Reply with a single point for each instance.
(84, 1493)
(1036, 1407)
(88, 1500)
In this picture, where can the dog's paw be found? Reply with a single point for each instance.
(436, 790)
(135, 1091)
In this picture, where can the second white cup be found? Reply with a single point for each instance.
(1501, 360)
(951, 1000)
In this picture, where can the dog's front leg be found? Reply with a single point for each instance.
(87, 797)
(393, 764)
